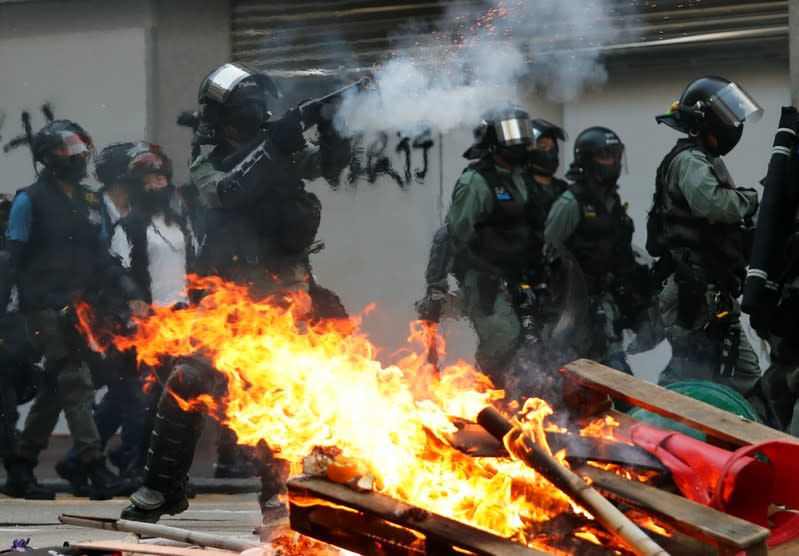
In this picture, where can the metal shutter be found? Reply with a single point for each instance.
(332, 37)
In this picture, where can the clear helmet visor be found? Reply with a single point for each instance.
(514, 131)
(734, 105)
(223, 80)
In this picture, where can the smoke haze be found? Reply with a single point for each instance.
(484, 55)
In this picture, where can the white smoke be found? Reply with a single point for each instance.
(481, 57)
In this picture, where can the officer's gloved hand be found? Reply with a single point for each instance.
(429, 308)
(287, 132)
(752, 199)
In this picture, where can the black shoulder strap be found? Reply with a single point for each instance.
(135, 227)
(488, 170)
(660, 175)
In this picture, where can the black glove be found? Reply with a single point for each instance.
(286, 132)
(430, 306)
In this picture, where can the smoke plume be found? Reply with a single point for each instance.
(480, 56)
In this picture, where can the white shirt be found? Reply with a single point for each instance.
(113, 211)
(166, 253)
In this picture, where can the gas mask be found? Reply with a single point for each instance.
(516, 154)
(606, 175)
(70, 169)
(246, 120)
(544, 162)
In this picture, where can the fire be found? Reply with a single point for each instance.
(298, 386)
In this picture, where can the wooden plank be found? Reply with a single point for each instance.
(149, 549)
(717, 528)
(713, 421)
(419, 532)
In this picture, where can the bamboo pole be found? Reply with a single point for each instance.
(165, 531)
(523, 447)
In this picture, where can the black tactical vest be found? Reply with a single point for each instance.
(64, 246)
(506, 238)
(718, 247)
(602, 242)
(544, 196)
(282, 222)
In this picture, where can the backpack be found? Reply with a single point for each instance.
(656, 216)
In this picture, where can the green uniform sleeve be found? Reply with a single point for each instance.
(707, 197)
(309, 163)
(206, 178)
(472, 203)
(439, 263)
(563, 219)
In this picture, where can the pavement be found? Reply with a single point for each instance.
(235, 515)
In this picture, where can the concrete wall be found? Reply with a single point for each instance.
(88, 58)
(123, 70)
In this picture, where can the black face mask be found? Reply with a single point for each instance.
(515, 155)
(157, 200)
(70, 170)
(606, 175)
(727, 137)
(544, 162)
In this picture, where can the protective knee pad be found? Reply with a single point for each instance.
(190, 378)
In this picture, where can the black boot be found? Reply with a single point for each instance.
(75, 474)
(149, 505)
(21, 483)
(169, 458)
(103, 483)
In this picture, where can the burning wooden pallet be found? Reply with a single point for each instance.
(372, 523)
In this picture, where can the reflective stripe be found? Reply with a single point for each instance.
(222, 81)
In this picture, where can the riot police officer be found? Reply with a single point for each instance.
(57, 254)
(496, 235)
(698, 221)
(543, 161)
(542, 188)
(592, 222)
(260, 228)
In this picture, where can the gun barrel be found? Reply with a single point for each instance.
(311, 110)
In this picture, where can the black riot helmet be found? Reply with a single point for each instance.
(234, 100)
(545, 161)
(507, 131)
(714, 107)
(111, 163)
(598, 156)
(63, 147)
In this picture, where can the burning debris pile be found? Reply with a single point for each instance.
(318, 393)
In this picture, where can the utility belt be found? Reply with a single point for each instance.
(724, 327)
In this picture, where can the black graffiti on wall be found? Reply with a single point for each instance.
(372, 158)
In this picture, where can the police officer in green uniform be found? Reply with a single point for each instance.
(497, 236)
(543, 161)
(592, 222)
(58, 255)
(699, 219)
(542, 190)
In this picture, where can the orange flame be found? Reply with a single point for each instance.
(298, 386)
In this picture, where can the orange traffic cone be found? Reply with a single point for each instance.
(733, 482)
